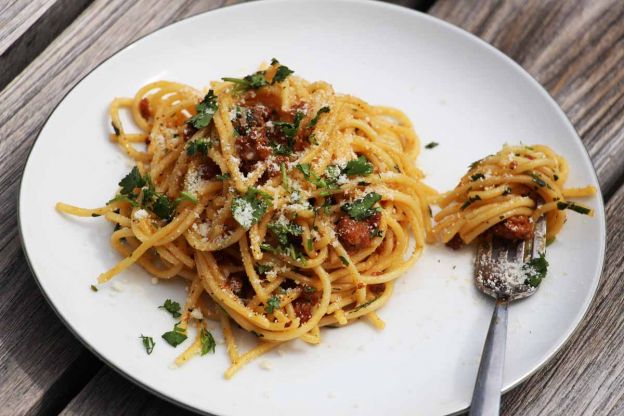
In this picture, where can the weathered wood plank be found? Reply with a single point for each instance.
(17, 17)
(587, 376)
(108, 390)
(27, 27)
(575, 49)
(42, 366)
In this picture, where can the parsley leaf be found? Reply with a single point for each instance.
(206, 109)
(431, 145)
(185, 196)
(359, 166)
(272, 303)
(175, 337)
(284, 176)
(148, 343)
(172, 307)
(94, 288)
(283, 231)
(208, 343)
(535, 270)
(326, 183)
(573, 207)
(162, 206)
(344, 260)
(223, 177)
(249, 208)
(318, 114)
(364, 305)
(539, 181)
(469, 201)
(253, 81)
(126, 198)
(290, 129)
(131, 181)
(281, 74)
(362, 208)
(198, 146)
(263, 268)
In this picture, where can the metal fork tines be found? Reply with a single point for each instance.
(500, 264)
(501, 273)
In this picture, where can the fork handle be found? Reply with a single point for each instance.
(487, 391)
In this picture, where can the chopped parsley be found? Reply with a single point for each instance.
(223, 177)
(185, 196)
(326, 183)
(318, 115)
(281, 74)
(535, 270)
(94, 288)
(364, 305)
(263, 268)
(125, 198)
(539, 181)
(283, 231)
(362, 208)
(573, 207)
(431, 145)
(310, 244)
(285, 183)
(470, 201)
(131, 181)
(250, 207)
(198, 146)
(376, 233)
(272, 303)
(162, 206)
(148, 343)
(206, 109)
(359, 166)
(208, 343)
(344, 260)
(172, 307)
(477, 176)
(258, 79)
(156, 202)
(175, 337)
(290, 129)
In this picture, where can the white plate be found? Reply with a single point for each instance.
(456, 89)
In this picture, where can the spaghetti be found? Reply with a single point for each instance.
(286, 206)
(505, 194)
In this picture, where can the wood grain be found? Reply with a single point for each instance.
(27, 27)
(45, 364)
(575, 49)
(108, 390)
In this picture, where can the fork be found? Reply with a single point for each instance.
(498, 273)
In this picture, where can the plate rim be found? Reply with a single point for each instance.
(601, 217)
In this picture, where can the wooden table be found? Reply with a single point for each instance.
(574, 48)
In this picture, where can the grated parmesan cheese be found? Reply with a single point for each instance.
(197, 314)
(140, 214)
